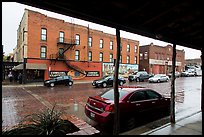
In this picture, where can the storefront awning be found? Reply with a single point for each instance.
(31, 66)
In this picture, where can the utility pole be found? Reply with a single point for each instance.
(116, 126)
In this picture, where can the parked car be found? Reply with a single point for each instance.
(66, 80)
(177, 74)
(136, 104)
(107, 81)
(159, 78)
(139, 76)
(188, 73)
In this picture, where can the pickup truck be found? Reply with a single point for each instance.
(139, 76)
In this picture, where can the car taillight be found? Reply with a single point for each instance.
(109, 108)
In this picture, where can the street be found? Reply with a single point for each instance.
(17, 102)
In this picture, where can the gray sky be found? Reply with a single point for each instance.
(12, 14)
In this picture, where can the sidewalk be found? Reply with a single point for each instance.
(35, 84)
(190, 125)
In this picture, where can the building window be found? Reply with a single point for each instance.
(43, 52)
(128, 47)
(111, 45)
(141, 56)
(111, 57)
(135, 59)
(101, 43)
(77, 39)
(90, 56)
(120, 59)
(135, 48)
(146, 55)
(101, 57)
(77, 55)
(61, 37)
(128, 59)
(90, 41)
(44, 34)
(120, 46)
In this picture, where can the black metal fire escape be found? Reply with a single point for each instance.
(66, 44)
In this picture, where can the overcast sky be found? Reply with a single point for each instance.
(12, 14)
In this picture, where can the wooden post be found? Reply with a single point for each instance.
(172, 114)
(202, 83)
(116, 126)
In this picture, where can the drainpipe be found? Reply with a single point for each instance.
(116, 126)
(172, 107)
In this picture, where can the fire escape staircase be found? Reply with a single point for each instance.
(69, 44)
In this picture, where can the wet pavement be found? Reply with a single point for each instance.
(19, 101)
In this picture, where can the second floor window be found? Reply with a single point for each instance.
(101, 43)
(145, 55)
(111, 45)
(120, 59)
(135, 48)
(77, 55)
(61, 37)
(101, 57)
(77, 39)
(90, 56)
(44, 34)
(135, 59)
(90, 41)
(128, 47)
(43, 52)
(141, 56)
(111, 57)
(128, 59)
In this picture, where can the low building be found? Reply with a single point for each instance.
(158, 59)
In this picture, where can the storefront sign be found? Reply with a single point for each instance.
(57, 73)
(92, 73)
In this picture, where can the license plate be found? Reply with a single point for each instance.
(92, 115)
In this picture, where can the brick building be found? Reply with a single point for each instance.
(51, 47)
(157, 59)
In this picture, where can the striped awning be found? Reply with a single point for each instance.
(31, 66)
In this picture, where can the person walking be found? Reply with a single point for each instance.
(20, 78)
(10, 75)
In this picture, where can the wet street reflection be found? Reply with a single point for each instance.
(18, 102)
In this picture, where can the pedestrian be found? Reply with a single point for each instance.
(20, 78)
(10, 75)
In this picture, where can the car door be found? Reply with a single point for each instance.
(155, 101)
(138, 103)
(110, 81)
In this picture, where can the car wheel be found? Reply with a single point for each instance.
(120, 83)
(52, 84)
(158, 80)
(137, 80)
(70, 83)
(131, 123)
(104, 85)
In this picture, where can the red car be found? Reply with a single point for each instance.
(135, 104)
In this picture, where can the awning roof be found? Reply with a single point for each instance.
(174, 21)
(31, 66)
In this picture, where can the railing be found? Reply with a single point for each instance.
(62, 40)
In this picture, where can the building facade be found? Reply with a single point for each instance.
(50, 47)
(157, 59)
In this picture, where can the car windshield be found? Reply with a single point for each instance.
(105, 77)
(110, 94)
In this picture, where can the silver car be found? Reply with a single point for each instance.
(159, 78)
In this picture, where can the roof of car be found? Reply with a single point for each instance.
(132, 88)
